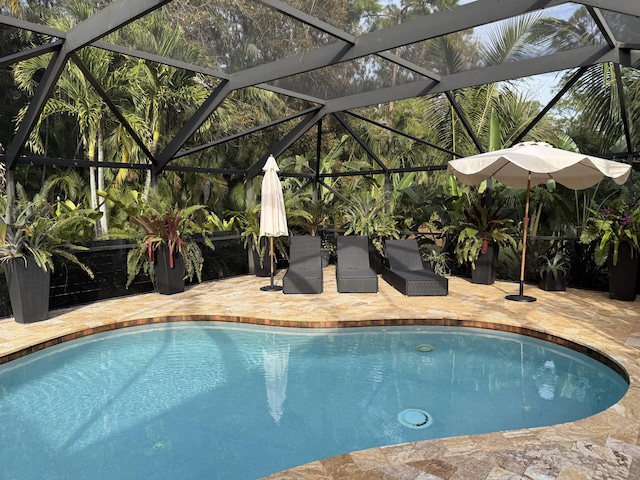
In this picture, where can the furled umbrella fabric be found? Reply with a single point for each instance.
(273, 219)
(529, 164)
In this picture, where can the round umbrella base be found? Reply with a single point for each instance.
(520, 298)
(271, 288)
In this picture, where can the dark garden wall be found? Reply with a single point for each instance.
(108, 260)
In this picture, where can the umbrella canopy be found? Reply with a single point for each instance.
(273, 219)
(512, 166)
(529, 164)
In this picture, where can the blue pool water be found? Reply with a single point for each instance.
(219, 401)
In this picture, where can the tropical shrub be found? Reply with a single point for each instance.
(610, 226)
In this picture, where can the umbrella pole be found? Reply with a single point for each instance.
(271, 287)
(521, 297)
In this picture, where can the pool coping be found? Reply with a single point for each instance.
(439, 322)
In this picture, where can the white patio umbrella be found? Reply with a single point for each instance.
(529, 164)
(273, 219)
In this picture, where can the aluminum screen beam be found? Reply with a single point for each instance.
(358, 139)
(110, 18)
(114, 109)
(31, 53)
(599, 20)
(461, 18)
(342, 35)
(300, 129)
(31, 27)
(628, 7)
(580, 57)
(131, 52)
(199, 117)
(48, 81)
(307, 19)
(465, 122)
(243, 133)
(556, 98)
(402, 134)
(623, 108)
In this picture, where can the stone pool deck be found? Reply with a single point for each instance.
(602, 447)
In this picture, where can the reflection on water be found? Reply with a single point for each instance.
(276, 366)
(546, 380)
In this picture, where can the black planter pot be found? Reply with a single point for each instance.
(263, 270)
(485, 271)
(28, 290)
(325, 253)
(622, 275)
(169, 280)
(551, 284)
(375, 258)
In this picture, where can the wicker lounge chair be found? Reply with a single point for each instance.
(305, 266)
(406, 272)
(353, 270)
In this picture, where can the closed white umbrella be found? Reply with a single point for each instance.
(529, 164)
(273, 219)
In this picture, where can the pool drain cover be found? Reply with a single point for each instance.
(414, 418)
(424, 348)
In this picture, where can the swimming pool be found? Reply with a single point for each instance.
(207, 400)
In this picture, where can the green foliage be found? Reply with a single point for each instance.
(39, 230)
(306, 214)
(556, 265)
(481, 219)
(215, 223)
(439, 262)
(161, 222)
(249, 222)
(366, 215)
(611, 226)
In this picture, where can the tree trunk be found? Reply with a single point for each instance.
(104, 224)
(148, 179)
(94, 187)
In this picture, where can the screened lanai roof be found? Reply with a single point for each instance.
(325, 61)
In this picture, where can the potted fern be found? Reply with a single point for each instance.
(32, 233)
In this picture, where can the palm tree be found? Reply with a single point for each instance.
(75, 96)
(160, 95)
(407, 10)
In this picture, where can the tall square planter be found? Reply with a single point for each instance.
(484, 272)
(622, 275)
(168, 280)
(28, 290)
(261, 269)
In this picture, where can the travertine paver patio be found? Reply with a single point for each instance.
(604, 446)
